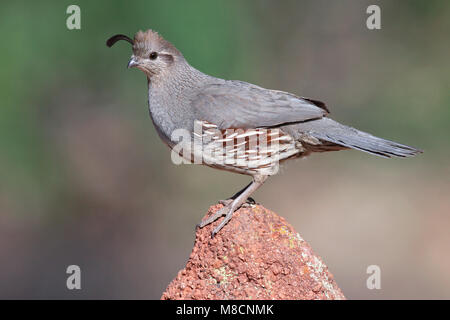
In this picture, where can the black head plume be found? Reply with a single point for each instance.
(111, 41)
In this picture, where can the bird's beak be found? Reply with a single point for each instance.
(132, 63)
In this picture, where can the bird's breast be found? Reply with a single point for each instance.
(161, 118)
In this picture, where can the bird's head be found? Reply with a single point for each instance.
(151, 53)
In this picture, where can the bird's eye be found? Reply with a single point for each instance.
(153, 55)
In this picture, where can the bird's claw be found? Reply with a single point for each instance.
(219, 213)
(248, 203)
(227, 210)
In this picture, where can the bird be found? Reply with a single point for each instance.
(234, 125)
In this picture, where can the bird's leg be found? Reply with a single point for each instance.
(233, 206)
(220, 212)
(236, 204)
(230, 200)
(248, 203)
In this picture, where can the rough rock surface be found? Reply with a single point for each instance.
(257, 255)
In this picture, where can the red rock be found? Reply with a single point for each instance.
(257, 255)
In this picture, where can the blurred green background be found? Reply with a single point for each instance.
(85, 180)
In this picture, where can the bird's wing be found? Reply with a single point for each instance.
(236, 104)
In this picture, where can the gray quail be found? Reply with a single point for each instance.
(234, 125)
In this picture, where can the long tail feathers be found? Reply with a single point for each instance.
(352, 138)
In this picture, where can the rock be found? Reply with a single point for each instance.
(257, 255)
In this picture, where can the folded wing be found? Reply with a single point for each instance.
(237, 104)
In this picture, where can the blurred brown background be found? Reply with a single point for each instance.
(85, 180)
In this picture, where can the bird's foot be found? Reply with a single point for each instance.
(222, 211)
(248, 203)
(227, 211)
